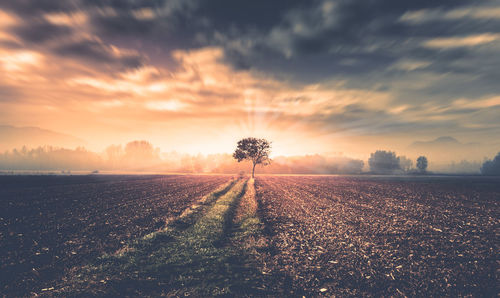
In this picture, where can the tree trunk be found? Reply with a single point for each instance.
(253, 170)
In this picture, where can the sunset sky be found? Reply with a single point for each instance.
(195, 76)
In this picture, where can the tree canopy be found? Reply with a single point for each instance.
(384, 162)
(422, 163)
(255, 150)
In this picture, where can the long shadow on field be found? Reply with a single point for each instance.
(192, 257)
(186, 221)
(279, 283)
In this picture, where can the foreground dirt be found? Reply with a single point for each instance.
(288, 236)
(50, 224)
(368, 237)
(200, 254)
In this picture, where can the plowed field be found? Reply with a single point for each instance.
(275, 236)
(372, 236)
(51, 223)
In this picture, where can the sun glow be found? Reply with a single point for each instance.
(166, 105)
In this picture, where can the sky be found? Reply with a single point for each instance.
(329, 77)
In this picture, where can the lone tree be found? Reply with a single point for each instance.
(422, 163)
(256, 150)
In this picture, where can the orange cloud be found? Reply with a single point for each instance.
(203, 97)
(201, 101)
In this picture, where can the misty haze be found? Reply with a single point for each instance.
(325, 148)
(447, 156)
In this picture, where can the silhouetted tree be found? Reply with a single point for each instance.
(491, 167)
(422, 163)
(383, 162)
(255, 150)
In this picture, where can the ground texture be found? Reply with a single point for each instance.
(372, 237)
(275, 236)
(51, 223)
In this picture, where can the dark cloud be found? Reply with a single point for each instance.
(355, 119)
(353, 40)
(35, 7)
(39, 31)
(97, 52)
(10, 44)
(252, 15)
(305, 40)
(66, 40)
(357, 41)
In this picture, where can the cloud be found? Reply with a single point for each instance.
(350, 40)
(36, 7)
(465, 41)
(20, 60)
(78, 18)
(39, 31)
(166, 105)
(65, 35)
(467, 12)
(478, 103)
(410, 65)
(96, 51)
(165, 22)
(324, 68)
(7, 19)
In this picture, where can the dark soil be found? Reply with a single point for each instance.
(372, 236)
(52, 223)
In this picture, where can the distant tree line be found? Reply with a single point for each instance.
(387, 162)
(49, 158)
(143, 156)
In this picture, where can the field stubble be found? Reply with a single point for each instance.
(203, 253)
(287, 236)
(50, 224)
(349, 236)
